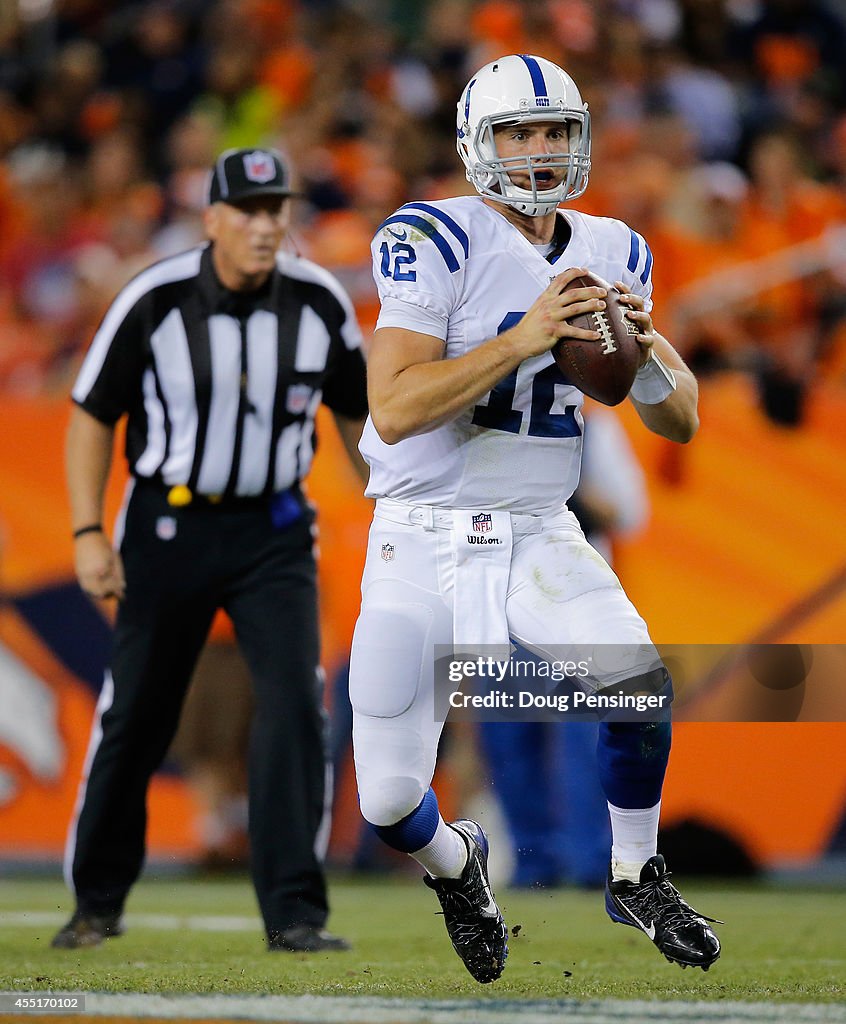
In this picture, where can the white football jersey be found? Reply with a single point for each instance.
(456, 269)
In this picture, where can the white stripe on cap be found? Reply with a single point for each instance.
(221, 173)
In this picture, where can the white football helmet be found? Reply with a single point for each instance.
(519, 89)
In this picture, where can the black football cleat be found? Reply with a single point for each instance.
(306, 938)
(87, 930)
(655, 906)
(473, 920)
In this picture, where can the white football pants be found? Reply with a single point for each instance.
(560, 592)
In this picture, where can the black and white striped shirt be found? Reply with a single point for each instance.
(222, 387)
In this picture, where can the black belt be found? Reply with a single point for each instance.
(285, 507)
(181, 496)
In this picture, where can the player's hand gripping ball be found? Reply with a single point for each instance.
(603, 369)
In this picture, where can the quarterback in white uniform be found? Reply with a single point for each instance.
(474, 426)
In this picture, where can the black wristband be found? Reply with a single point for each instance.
(91, 528)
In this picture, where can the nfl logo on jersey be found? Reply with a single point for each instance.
(388, 552)
(259, 167)
(482, 523)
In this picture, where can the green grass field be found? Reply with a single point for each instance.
(778, 945)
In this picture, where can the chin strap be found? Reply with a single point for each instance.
(536, 210)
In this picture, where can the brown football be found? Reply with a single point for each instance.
(604, 369)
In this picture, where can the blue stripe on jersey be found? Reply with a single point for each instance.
(537, 75)
(648, 267)
(430, 231)
(446, 220)
(634, 253)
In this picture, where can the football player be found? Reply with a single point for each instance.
(474, 429)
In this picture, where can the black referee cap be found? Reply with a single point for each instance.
(241, 173)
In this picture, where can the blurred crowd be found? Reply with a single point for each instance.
(719, 131)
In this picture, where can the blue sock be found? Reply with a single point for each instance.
(632, 760)
(415, 830)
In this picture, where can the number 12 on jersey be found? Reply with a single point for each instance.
(499, 413)
(403, 256)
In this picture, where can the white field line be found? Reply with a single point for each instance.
(365, 1010)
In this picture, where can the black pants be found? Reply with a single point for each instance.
(181, 565)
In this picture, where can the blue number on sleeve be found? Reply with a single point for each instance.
(403, 255)
(498, 414)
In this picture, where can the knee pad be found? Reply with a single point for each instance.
(416, 829)
(390, 645)
(390, 800)
(655, 683)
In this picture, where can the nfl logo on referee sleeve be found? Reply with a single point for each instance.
(482, 523)
(259, 167)
(388, 552)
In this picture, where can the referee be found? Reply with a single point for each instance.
(219, 357)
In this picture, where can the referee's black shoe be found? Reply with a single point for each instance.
(655, 906)
(87, 930)
(473, 920)
(306, 938)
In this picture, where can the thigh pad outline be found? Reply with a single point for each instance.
(389, 646)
